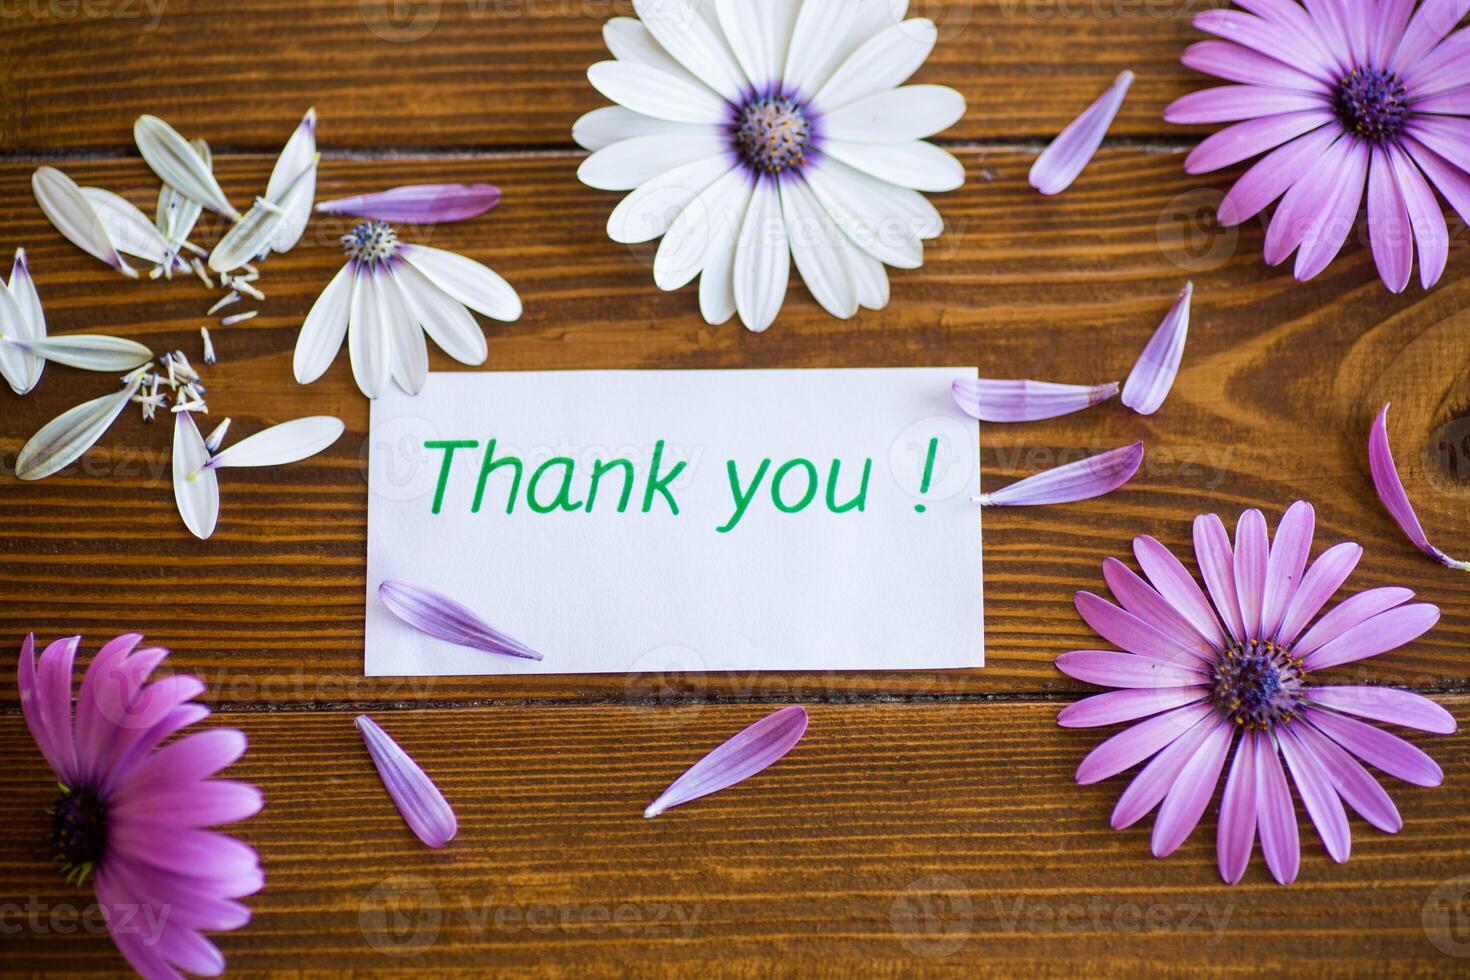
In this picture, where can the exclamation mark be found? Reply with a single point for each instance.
(928, 471)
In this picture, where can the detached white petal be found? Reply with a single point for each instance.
(30, 324)
(176, 215)
(90, 352)
(72, 433)
(196, 489)
(283, 443)
(1061, 162)
(178, 164)
(248, 239)
(473, 284)
(292, 186)
(73, 215)
(14, 360)
(126, 227)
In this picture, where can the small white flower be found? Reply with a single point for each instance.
(388, 290)
(196, 486)
(755, 132)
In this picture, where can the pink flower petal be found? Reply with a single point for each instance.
(743, 755)
(1153, 373)
(1129, 704)
(1232, 103)
(1389, 229)
(1142, 601)
(1275, 814)
(424, 808)
(1431, 234)
(1217, 566)
(418, 203)
(1066, 156)
(1391, 491)
(1318, 796)
(1239, 64)
(1386, 631)
(1378, 748)
(1273, 175)
(1284, 40)
(1134, 634)
(1385, 704)
(1134, 744)
(1431, 22)
(1338, 214)
(1025, 401)
(1192, 791)
(1109, 668)
(1306, 201)
(1250, 137)
(1320, 584)
(1172, 579)
(1251, 556)
(1289, 550)
(1236, 835)
(444, 618)
(1154, 780)
(1084, 479)
(1348, 613)
(1353, 783)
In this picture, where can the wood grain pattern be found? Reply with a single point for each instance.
(894, 840)
(505, 73)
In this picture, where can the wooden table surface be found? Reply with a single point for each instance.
(929, 821)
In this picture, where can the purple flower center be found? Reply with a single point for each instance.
(79, 831)
(772, 133)
(1257, 683)
(1372, 103)
(371, 241)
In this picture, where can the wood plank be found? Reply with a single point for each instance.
(824, 865)
(504, 73)
(1280, 382)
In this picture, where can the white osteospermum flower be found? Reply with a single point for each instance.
(755, 132)
(381, 298)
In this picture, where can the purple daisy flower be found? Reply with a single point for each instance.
(1339, 95)
(131, 813)
(1239, 669)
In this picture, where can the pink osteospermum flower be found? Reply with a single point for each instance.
(1339, 95)
(131, 810)
(1239, 670)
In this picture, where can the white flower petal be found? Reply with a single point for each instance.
(815, 246)
(917, 165)
(176, 215)
(628, 40)
(367, 339)
(247, 239)
(865, 215)
(178, 164)
(717, 280)
(908, 113)
(885, 60)
(827, 33)
(647, 212)
(691, 41)
(443, 317)
(31, 325)
(630, 163)
(72, 214)
(759, 32)
(298, 154)
(296, 205)
(126, 227)
(90, 352)
(869, 277)
(613, 124)
(408, 354)
(325, 326)
(472, 283)
(196, 488)
(14, 360)
(657, 93)
(72, 433)
(713, 216)
(284, 443)
(762, 259)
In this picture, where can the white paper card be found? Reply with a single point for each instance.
(813, 574)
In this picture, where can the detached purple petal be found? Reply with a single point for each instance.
(1061, 162)
(1391, 491)
(440, 616)
(1025, 401)
(1086, 478)
(423, 204)
(424, 808)
(744, 755)
(1153, 374)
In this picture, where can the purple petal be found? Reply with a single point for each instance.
(424, 808)
(1112, 707)
(1122, 628)
(1275, 814)
(1385, 704)
(1192, 791)
(1142, 601)
(1390, 232)
(1281, 40)
(1348, 613)
(1217, 566)
(1025, 401)
(1109, 668)
(1384, 632)
(1132, 745)
(1289, 550)
(1353, 783)
(1272, 175)
(1251, 556)
(1237, 831)
(1238, 64)
(1452, 182)
(1433, 20)
(1246, 139)
(45, 699)
(440, 616)
(1391, 489)
(1066, 156)
(1232, 103)
(1175, 584)
(1153, 373)
(740, 757)
(1431, 234)
(424, 204)
(1337, 216)
(1306, 202)
(1154, 780)
(1086, 478)
(1321, 583)
(1317, 794)
(1378, 748)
